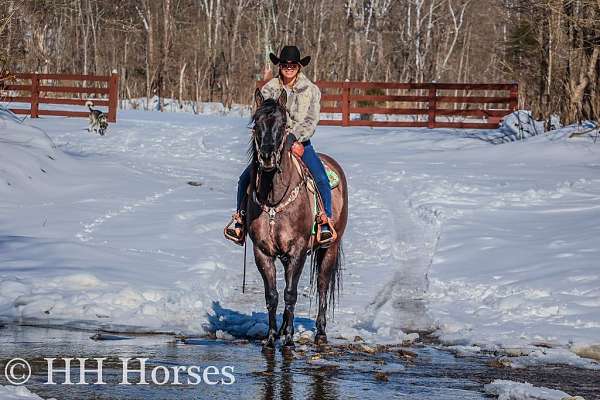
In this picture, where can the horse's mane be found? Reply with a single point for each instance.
(267, 108)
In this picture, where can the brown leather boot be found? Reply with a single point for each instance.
(326, 233)
(236, 229)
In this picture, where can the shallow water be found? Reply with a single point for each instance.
(429, 373)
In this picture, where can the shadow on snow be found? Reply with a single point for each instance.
(244, 326)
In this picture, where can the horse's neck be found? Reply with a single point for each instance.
(274, 190)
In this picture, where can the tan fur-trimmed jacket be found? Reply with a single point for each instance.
(303, 108)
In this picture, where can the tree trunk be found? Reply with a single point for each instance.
(586, 76)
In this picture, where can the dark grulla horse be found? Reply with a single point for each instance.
(279, 218)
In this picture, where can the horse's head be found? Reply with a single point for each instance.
(268, 134)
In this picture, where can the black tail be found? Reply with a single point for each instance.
(335, 279)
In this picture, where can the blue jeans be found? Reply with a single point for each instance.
(314, 164)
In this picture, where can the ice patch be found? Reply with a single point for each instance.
(510, 390)
(18, 393)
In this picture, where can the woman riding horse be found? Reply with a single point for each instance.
(303, 108)
(280, 208)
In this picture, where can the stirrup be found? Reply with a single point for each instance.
(322, 219)
(237, 232)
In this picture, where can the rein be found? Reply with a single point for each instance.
(274, 209)
(279, 149)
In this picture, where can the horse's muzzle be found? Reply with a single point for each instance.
(267, 160)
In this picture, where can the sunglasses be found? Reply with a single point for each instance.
(289, 66)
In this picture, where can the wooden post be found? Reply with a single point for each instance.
(35, 96)
(514, 97)
(432, 105)
(345, 104)
(113, 97)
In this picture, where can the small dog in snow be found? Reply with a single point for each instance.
(98, 120)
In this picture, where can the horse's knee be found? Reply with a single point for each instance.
(290, 296)
(272, 298)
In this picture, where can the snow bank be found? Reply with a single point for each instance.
(16, 133)
(520, 125)
(509, 390)
(187, 106)
(27, 155)
(18, 393)
(54, 202)
(532, 356)
(489, 247)
(516, 259)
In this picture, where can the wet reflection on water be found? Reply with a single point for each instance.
(258, 375)
(279, 380)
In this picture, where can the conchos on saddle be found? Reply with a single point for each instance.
(303, 107)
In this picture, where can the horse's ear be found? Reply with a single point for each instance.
(258, 98)
(282, 100)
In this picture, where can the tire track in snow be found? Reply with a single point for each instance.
(402, 244)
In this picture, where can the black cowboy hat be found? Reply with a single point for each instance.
(289, 54)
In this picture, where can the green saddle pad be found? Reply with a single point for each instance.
(334, 179)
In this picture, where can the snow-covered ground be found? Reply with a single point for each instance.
(509, 390)
(492, 247)
(17, 393)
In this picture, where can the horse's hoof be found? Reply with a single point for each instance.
(269, 343)
(268, 347)
(288, 346)
(288, 350)
(320, 339)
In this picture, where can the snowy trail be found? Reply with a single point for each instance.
(488, 246)
(131, 224)
(86, 234)
(375, 274)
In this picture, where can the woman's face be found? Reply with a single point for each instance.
(290, 70)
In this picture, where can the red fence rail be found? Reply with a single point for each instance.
(40, 91)
(420, 104)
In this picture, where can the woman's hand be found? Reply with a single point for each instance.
(267, 73)
(298, 149)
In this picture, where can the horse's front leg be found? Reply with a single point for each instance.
(293, 265)
(266, 267)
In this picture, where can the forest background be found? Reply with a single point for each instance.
(215, 50)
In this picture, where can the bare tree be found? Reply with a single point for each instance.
(213, 50)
